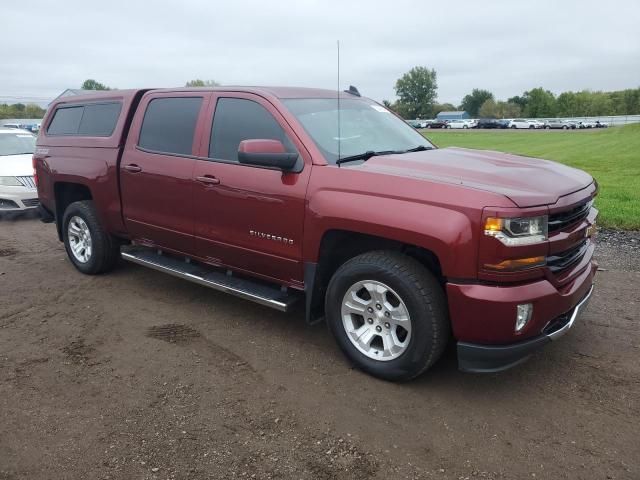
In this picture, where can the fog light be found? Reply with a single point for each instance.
(523, 315)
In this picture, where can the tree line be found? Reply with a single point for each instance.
(417, 92)
(20, 110)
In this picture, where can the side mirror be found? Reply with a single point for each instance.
(266, 153)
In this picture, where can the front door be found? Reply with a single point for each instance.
(157, 167)
(249, 218)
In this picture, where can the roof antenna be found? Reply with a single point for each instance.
(338, 90)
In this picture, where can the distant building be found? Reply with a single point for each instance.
(452, 115)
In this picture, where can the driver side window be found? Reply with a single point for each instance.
(237, 119)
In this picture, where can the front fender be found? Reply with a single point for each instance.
(446, 232)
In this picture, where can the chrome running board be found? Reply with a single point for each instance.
(262, 293)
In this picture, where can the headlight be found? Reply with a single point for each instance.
(517, 231)
(10, 182)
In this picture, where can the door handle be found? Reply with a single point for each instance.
(133, 168)
(208, 179)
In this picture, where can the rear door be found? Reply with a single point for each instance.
(249, 218)
(157, 166)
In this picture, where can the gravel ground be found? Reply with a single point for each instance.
(138, 375)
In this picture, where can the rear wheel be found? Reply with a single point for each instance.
(89, 247)
(388, 314)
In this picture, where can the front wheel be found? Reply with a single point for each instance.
(89, 247)
(388, 314)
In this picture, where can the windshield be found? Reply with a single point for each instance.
(365, 126)
(16, 143)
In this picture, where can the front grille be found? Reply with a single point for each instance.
(27, 182)
(563, 260)
(30, 202)
(561, 220)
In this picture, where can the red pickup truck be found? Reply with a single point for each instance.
(285, 194)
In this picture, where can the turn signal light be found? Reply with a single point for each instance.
(516, 264)
(493, 225)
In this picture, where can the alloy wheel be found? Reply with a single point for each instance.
(376, 320)
(79, 239)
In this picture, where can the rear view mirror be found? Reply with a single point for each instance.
(266, 153)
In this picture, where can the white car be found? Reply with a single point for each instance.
(461, 124)
(521, 123)
(587, 124)
(18, 191)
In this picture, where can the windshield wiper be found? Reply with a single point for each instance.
(370, 153)
(419, 148)
(365, 156)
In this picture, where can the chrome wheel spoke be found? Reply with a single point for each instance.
(399, 315)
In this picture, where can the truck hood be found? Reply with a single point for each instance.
(16, 166)
(526, 181)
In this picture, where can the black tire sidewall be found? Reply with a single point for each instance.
(412, 361)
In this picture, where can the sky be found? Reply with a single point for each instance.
(506, 47)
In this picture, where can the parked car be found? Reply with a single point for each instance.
(396, 244)
(537, 123)
(521, 123)
(465, 124)
(13, 125)
(600, 124)
(438, 124)
(559, 124)
(418, 123)
(586, 124)
(489, 123)
(504, 123)
(17, 186)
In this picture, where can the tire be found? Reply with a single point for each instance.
(513, 126)
(547, 127)
(416, 292)
(465, 126)
(101, 250)
(564, 127)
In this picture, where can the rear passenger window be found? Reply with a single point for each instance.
(99, 120)
(237, 119)
(169, 125)
(91, 120)
(66, 121)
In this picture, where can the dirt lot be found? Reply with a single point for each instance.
(138, 375)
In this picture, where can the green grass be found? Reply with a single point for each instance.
(612, 156)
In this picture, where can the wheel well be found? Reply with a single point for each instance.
(67, 193)
(338, 246)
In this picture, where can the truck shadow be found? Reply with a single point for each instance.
(19, 216)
